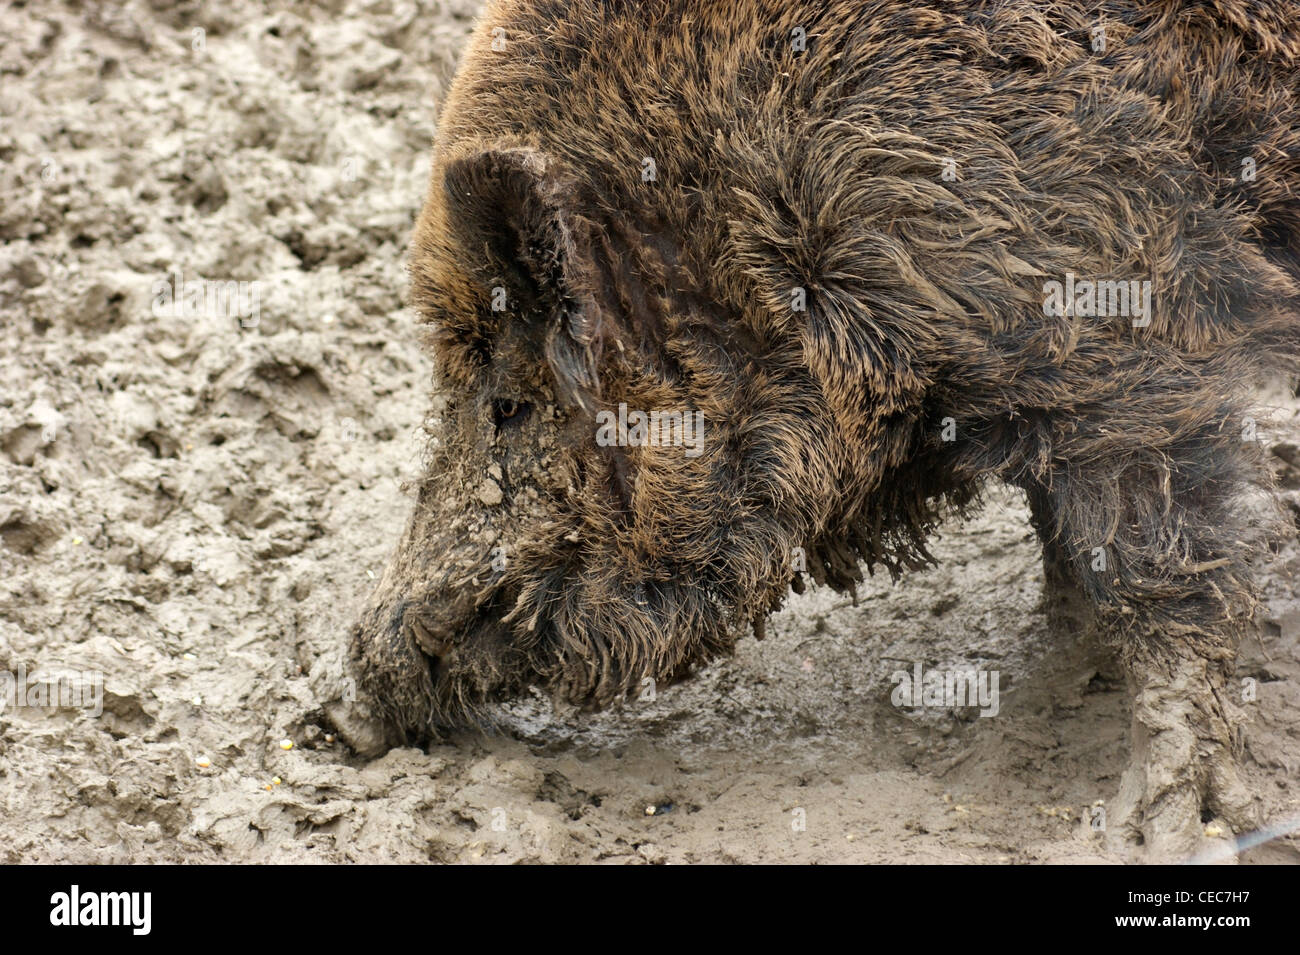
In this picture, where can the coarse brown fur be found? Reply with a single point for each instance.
(922, 366)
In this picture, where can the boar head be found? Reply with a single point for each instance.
(538, 554)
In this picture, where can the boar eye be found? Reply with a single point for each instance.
(508, 410)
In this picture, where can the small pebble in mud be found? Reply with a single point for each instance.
(1213, 831)
(651, 853)
(197, 701)
(329, 737)
(203, 762)
(188, 656)
(286, 744)
(489, 492)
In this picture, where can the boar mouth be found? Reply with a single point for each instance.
(435, 640)
(470, 660)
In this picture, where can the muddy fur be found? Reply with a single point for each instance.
(826, 429)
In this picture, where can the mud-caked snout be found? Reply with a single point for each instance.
(385, 694)
(426, 655)
(432, 649)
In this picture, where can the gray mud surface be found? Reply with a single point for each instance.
(196, 506)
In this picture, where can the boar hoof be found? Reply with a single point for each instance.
(1182, 796)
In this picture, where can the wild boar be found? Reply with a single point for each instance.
(879, 253)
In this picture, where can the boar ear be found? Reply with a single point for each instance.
(522, 210)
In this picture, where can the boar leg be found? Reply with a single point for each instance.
(1182, 770)
(1155, 544)
(1069, 610)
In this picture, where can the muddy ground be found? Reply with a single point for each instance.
(194, 506)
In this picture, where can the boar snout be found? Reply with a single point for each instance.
(431, 648)
(390, 683)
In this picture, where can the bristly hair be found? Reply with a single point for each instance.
(837, 254)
